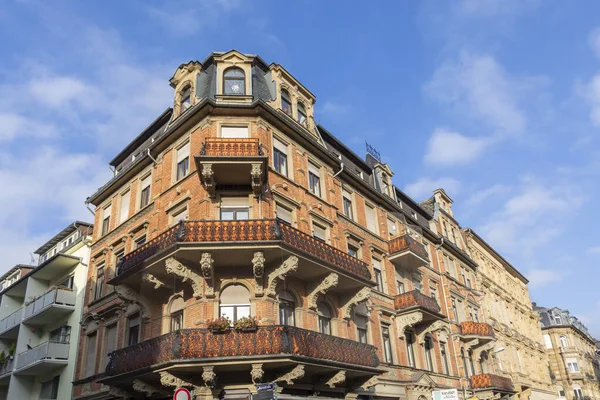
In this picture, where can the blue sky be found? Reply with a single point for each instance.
(496, 101)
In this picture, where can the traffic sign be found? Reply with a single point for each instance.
(182, 394)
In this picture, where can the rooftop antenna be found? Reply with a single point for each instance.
(373, 152)
(32, 259)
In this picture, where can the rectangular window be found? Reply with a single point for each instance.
(110, 342)
(49, 389)
(99, 281)
(573, 365)
(387, 344)
(347, 200)
(392, 229)
(179, 215)
(90, 359)
(145, 191)
(353, 251)
(124, 204)
(234, 208)
(119, 256)
(280, 157)
(232, 132)
(433, 292)
(455, 310)
(547, 341)
(557, 319)
(177, 321)
(319, 232)
(67, 282)
(61, 335)
(133, 330)
(371, 218)
(400, 286)
(378, 274)
(361, 328)
(428, 353)
(284, 214)
(106, 219)
(409, 348)
(314, 179)
(578, 393)
(139, 242)
(444, 358)
(183, 161)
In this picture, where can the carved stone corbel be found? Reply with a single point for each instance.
(257, 373)
(209, 377)
(258, 267)
(408, 320)
(131, 296)
(289, 265)
(337, 379)
(154, 281)
(373, 381)
(436, 326)
(148, 389)
(174, 267)
(294, 374)
(256, 175)
(169, 380)
(208, 176)
(329, 282)
(482, 349)
(120, 393)
(207, 266)
(361, 296)
(469, 345)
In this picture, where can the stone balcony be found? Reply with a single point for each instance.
(234, 355)
(491, 382)
(231, 161)
(407, 251)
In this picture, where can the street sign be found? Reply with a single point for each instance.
(450, 394)
(182, 394)
(265, 391)
(265, 386)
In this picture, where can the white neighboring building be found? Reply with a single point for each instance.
(39, 316)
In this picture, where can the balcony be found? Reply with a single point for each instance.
(191, 238)
(407, 251)
(278, 346)
(50, 307)
(5, 371)
(9, 325)
(43, 359)
(416, 309)
(479, 329)
(415, 300)
(231, 161)
(491, 382)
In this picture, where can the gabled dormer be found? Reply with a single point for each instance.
(234, 76)
(443, 201)
(184, 81)
(293, 99)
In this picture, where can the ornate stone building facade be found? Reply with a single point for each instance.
(573, 354)
(235, 203)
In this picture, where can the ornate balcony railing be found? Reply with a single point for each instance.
(407, 242)
(491, 381)
(245, 231)
(416, 298)
(231, 147)
(476, 328)
(199, 344)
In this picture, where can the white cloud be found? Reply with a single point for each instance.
(593, 96)
(424, 187)
(57, 91)
(14, 126)
(477, 87)
(543, 277)
(451, 148)
(333, 107)
(494, 8)
(594, 250)
(594, 41)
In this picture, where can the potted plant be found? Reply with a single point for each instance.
(2, 358)
(246, 324)
(219, 325)
(11, 350)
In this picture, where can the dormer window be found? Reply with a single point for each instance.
(286, 104)
(301, 115)
(234, 81)
(186, 97)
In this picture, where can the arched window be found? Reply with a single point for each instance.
(483, 362)
(561, 391)
(186, 98)
(577, 391)
(176, 313)
(428, 352)
(301, 114)
(287, 309)
(286, 104)
(324, 318)
(234, 81)
(235, 302)
(563, 342)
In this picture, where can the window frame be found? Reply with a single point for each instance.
(285, 98)
(182, 167)
(91, 351)
(409, 336)
(286, 308)
(348, 204)
(99, 283)
(138, 330)
(185, 93)
(314, 179)
(281, 162)
(301, 111)
(386, 342)
(238, 79)
(106, 219)
(144, 199)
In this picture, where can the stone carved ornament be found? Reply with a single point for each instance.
(279, 273)
(257, 373)
(258, 267)
(294, 374)
(148, 389)
(131, 296)
(207, 266)
(337, 379)
(407, 321)
(362, 295)
(174, 267)
(329, 282)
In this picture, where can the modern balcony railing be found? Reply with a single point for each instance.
(231, 147)
(245, 231)
(188, 345)
(56, 296)
(415, 298)
(11, 321)
(476, 329)
(491, 381)
(7, 367)
(45, 351)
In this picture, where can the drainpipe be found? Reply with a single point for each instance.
(340, 171)
(152, 158)
(89, 209)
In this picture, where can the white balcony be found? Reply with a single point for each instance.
(10, 323)
(43, 359)
(50, 307)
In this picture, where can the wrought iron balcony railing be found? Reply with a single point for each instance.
(491, 381)
(199, 344)
(231, 147)
(415, 298)
(476, 329)
(245, 231)
(408, 251)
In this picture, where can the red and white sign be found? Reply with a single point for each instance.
(182, 394)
